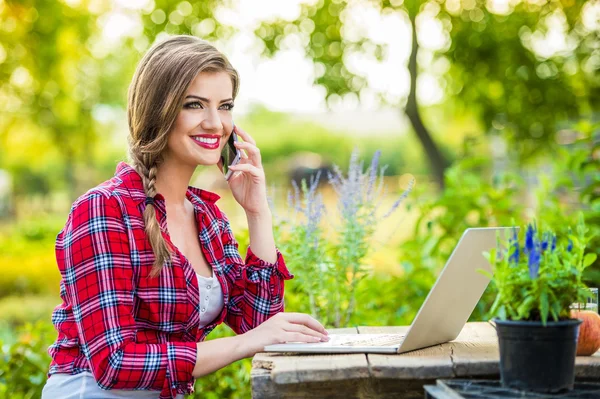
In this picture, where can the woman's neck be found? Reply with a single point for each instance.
(172, 181)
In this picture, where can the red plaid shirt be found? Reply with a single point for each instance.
(133, 332)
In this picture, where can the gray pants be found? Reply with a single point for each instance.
(84, 386)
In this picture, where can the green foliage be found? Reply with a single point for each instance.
(579, 172)
(48, 86)
(174, 17)
(509, 85)
(498, 71)
(540, 278)
(389, 300)
(24, 362)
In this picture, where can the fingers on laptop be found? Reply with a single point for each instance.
(299, 337)
(302, 329)
(302, 318)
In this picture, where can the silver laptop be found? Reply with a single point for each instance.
(444, 312)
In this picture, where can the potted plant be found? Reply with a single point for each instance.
(536, 283)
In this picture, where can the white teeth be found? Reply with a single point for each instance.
(205, 140)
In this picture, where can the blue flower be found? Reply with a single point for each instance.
(533, 262)
(514, 257)
(546, 240)
(570, 246)
(553, 243)
(529, 238)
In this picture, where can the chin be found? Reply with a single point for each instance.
(203, 158)
(207, 160)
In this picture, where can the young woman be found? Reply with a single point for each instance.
(149, 265)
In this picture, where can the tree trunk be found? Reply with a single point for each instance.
(436, 159)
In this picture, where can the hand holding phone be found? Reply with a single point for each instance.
(230, 155)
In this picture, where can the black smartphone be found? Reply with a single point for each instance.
(230, 155)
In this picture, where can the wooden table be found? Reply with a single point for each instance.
(474, 354)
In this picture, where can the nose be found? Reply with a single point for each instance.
(212, 121)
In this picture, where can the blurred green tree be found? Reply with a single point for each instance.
(48, 80)
(498, 62)
(186, 18)
(524, 70)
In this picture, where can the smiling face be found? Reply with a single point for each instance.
(204, 123)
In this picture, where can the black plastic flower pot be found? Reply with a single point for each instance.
(538, 358)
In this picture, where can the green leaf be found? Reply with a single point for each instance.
(554, 313)
(589, 259)
(525, 308)
(486, 273)
(502, 312)
(490, 256)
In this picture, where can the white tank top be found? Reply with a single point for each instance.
(211, 298)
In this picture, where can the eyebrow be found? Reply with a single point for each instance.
(206, 99)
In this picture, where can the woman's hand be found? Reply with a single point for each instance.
(248, 182)
(281, 328)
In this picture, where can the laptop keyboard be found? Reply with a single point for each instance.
(354, 340)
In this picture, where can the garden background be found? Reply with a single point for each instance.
(487, 109)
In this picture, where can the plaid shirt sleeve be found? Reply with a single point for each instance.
(93, 255)
(257, 285)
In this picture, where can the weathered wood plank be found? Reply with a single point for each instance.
(428, 363)
(475, 351)
(304, 368)
(262, 386)
(348, 389)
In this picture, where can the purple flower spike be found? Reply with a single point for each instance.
(533, 263)
(373, 173)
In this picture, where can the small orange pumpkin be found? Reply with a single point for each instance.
(589, 332)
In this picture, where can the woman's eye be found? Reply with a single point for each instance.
(193, 105)
(198, 105)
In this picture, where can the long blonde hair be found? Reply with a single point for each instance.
(155, 97)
